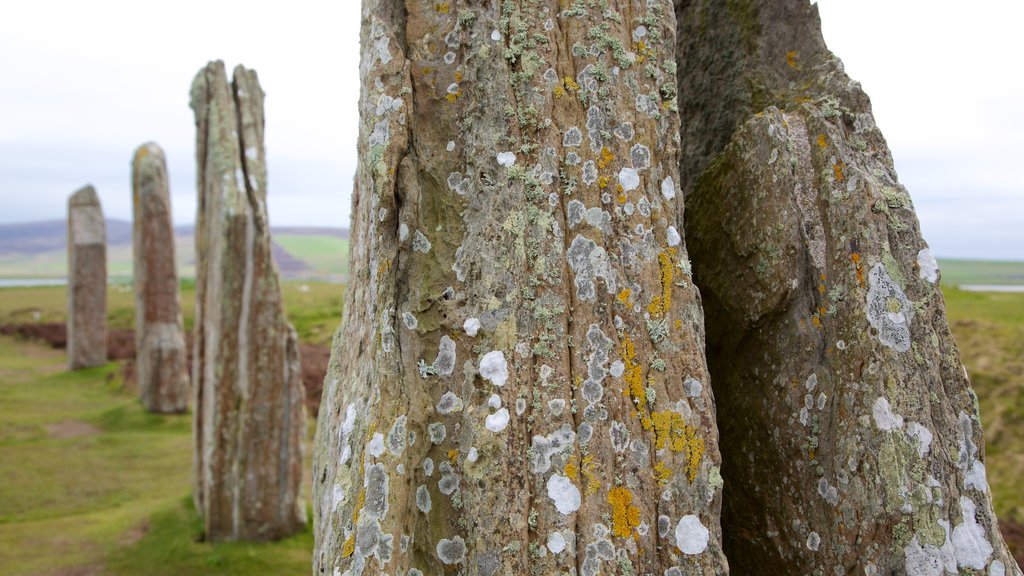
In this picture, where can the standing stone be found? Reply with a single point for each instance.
(161, 361)
(851, 438)
(518, 385)
(87, 281)
(248, 407)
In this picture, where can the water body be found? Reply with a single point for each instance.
(984, 287)
(30, 282)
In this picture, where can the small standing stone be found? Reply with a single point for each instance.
(160, 355)
(87, 281)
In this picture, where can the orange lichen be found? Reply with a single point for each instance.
(559, 91)
(837, 170)
(591, 484)
(791, 59)
(572, 471)
(633, 373)
(822, 143)
(602, 182)
(625, 516)
(606, 158)
(662, 473)
(453, 96)
(453, 455)
(624, 296)
(359, 506)
(442, 7)
(570, 84)
(349, 547)
(659, 306)
(855, 257)
(670, 431)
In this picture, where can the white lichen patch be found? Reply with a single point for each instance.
(629, 178)
(888, 309)
(885, 419)
(375, 447)
(449, 403)
(420, 242)
(564, 494)
(574, 213)
(573, 138)
(927, 559)
(471, 326)
(556, 542)
(927, 266)
(506, 159)
(493, 367)
(813, 541)
(543, 448)
(423, 499)
(970, 544)
(923, 436)
(397, 436)
(668, 188)
(693, 387)
(498, 421)
(640, 156)
(444, 363)
(588, 261)
(494, 401)
(691, 535)
(672, 237)
(451, 551)
(976, 477)
(437, 432)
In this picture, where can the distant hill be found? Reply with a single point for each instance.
(37, 249)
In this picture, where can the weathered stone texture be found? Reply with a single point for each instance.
(518, 385)
(850, 434)
(87, 280)
(161, 360)
(248, 404)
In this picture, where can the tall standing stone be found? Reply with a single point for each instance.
(518, 385)
(850, 434)
(161, 360)
(248, 406)
(87, 280)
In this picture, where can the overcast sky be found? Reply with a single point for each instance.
(83, 83)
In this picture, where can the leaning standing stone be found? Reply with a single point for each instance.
(87, 281)
(249, 411)
(160, 356)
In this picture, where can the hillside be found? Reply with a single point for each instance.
(37, 250)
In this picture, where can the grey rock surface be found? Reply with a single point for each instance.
(518, 385)
(850, 434)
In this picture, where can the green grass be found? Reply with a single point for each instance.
(54, 263)
(314, 308)
(92, 484)
(958, 272)
(325, 254)
(989, 329)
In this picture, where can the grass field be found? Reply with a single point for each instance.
(327, 255)
(314, 308)
(958, 272)
(93, 485)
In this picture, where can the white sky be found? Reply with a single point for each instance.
(83, 83)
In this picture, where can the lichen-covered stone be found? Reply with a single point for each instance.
(249, 416)
(87, 280)
(161, 360)
(520, 295)
(850, 435)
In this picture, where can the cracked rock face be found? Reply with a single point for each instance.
(850, 434)
(520, 304)
(249, 417)
(161, 360)
(87, 281)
